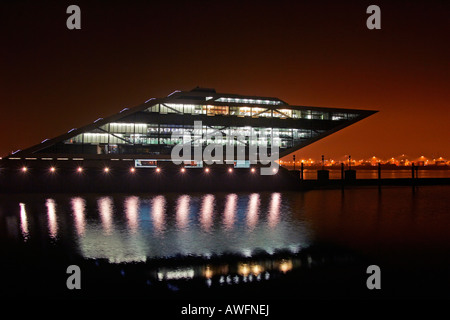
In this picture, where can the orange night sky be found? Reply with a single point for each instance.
(315, 53)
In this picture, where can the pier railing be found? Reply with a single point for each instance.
(376, 175)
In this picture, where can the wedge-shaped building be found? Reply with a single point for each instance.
(132, 151)
(147, 131)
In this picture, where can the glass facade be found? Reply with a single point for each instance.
(154, 138)
(249, 111)
(158, 125)
(121, 137)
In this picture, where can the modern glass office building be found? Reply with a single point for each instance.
(151, 129)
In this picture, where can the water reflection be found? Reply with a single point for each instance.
(252, 213)
(23, 221)
(237, 271)
(158, 211)
(183, 211)
(206, 213)
(229, 213)
(105, 207)
(238, 231)
(274, 209)
(169, 225)
(286, 265)
(51, 216)
(78, 209)
(132, 213)
(187, 225)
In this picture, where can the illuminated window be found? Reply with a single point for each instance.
(250, 101)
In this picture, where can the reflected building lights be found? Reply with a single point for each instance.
(51, 216)
(172, 224)
(175, 274)
(183, 211)
(208, 273)
(257, 269)
(158, 211)
(206, 213)
(105, 206)
(244, 269)
(274, 210)
(23, 221)
(252, 213)
(132, 213)
(230, 211)
(229, 274)
(285, 266)
(78, 208)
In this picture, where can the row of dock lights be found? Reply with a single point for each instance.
(133, 170)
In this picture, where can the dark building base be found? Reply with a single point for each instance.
(119, 178)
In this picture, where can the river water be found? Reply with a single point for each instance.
(397, 226)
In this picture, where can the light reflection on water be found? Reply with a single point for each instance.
(230, 273)
(206, 214)
(274, 210)
(229, 213)
(132, 213)
(78, 209)
(105, 207)
(158, 211)
(386, 224)
(23, 221)
(183, 212)
(52, 220)
(252, 213)
(398, 226)
(134, 228)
